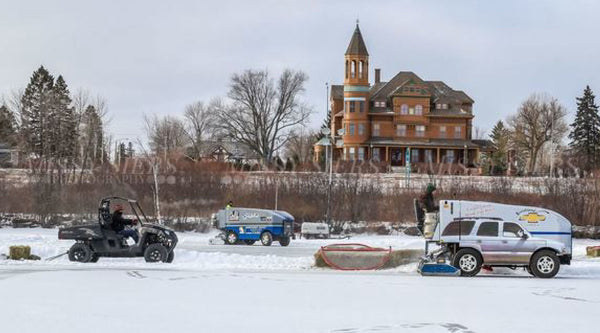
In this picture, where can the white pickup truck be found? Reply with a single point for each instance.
(471, 234)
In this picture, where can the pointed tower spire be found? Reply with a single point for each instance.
(357, 44)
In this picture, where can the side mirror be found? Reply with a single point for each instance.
(525, 236)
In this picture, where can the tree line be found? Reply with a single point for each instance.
(52, 128)
(532, 139)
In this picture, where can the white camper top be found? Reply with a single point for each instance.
(539, 222)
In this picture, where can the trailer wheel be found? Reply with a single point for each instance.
(156, 252)
(544, 264)
(231, 238)
(80, 252)
(249, 241)
(468, 261)
(266, 238)
(284, 241)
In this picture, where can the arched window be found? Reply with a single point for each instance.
(361, 68)
(404, 109)
(419, 110)
(353, 70)
(347, 68)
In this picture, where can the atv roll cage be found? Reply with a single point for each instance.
(105, 217)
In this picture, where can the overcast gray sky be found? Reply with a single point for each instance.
(157, 56)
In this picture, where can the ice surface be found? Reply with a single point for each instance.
(243, 288)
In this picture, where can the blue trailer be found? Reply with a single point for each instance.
(248, 225)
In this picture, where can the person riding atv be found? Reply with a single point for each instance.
(118, 223)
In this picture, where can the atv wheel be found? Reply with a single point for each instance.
(544, 264)
(266, 238)
(80, 252)
(284, 241)
(231, 238)
(95, 258)
(156, 252)
(468, 261)
(249, 241)
(171, 256)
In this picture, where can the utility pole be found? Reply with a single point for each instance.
(552, 147)
(329, 132)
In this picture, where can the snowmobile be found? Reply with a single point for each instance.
(156, 243)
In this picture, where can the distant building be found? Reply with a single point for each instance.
(383, 120)
(9, 156)
(228, 151)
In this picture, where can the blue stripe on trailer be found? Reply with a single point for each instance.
(549, 233)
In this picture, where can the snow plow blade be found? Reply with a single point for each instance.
(437, 269)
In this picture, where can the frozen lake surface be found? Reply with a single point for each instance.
(243, 288)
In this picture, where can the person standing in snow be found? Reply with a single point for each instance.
(427, 201)
(119, 222)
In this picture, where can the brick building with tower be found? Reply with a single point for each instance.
(404, 117)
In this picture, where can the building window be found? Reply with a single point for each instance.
(401, 130)
(419, 110)
(428, 156)
(353, 69)
(375, 129)
(351, 153)
(420, 130)
(449, 156)
(411, 111)
(414, 155)
(457, 132)
(361, 106)
(375, 153)
(380, 104)
(404, 109)
(444, 106)
(438, 106)
(442, 131)
(347, 69)
(361, 129)
(352, 106)
(361, 69)
(361, 154)
(351, 129)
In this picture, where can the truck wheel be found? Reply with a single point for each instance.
(468, 261)
(266, 238)
(284, 241)
(249, 241)
(80, 252)
(544, 264)
(171, 256)
(231, 238)
(156, 252)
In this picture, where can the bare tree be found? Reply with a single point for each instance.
(300, 145)
(200, 124)
(263, 112)
(166, 135)
(540, 119)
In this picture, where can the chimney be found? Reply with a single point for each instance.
(377, 75)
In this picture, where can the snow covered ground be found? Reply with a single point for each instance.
(275, 289)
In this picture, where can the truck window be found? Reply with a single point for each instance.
(488, 229)
(452, 228)
(512, 230)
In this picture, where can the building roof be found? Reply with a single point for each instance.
(236, 150)
(337, 91)
(357, 44)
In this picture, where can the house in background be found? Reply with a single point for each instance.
(403, 118)
(229, 151)
(9, 156)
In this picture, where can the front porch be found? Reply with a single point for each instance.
(398, 156)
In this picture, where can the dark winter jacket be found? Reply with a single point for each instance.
(428, 202)
(118, 222)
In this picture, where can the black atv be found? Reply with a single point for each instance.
(156, 243)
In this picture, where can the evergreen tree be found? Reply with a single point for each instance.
(92, 137)
(62, 117)
(7, 126)
(500, 139)
(36, 108)
(326, 124)
(585, 136)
